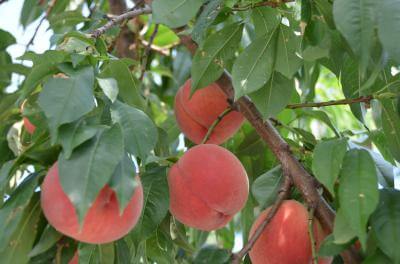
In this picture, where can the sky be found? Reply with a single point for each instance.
(11, 24)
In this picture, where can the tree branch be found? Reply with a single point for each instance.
(282, 195)
(362, 99)
(304, 182)
(49, 8)
(147, 51)
(118, 19)
(215, 123)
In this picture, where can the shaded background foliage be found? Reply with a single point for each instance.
(281, 56)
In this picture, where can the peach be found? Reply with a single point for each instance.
(103, 222)
(286, 240)
(195, 115)
(208, 186)
(75, 259)
(27, 124)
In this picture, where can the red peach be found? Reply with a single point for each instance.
(103, 222)
(285, 240)
(195, 115)
(75, 259)
(208, 186)
(27, 124)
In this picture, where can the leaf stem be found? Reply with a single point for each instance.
(215, 123)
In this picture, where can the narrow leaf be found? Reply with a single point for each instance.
(48, 238)
(386, 223)
(287, 61)
(211, 59)
(123, 181)
(205, 19)
(391, 126)
(175, 13)
(90, 167)
(358, 190)
(327, 161)
(265, 188)
(139, 131)
(389, 27)
(254, 66)
(155, 202)
(273, 97)
(266, 20)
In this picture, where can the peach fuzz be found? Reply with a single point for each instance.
(286, 240)
(196, 114)
(103, 222)
(208, 186)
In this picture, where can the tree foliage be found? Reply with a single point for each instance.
(105, 118)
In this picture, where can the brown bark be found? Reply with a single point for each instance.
(126, 37)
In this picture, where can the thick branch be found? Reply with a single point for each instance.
(362, 99)
(118, 19)
(282, 195)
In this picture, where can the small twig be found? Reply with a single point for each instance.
(267, 3)
(49, 8)
(215, 123)
(282, 195)
(118, 19)
(362, 99)
(311, 234)
(147, 51)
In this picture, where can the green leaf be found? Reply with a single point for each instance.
(36, 76)
(211, 59)
(265, 188)
(96, 254)
(174, 13)
(273, 97)
(48, 238)
(13, 210)
(266, 20)
(109, 87)
(342, 232)
(330, 248)
(139, 131)
(205, 19)
(391, 125)
(377, 257)
(5, 172)
(327, 161)
(66, 21)
(128, 85)
(386, 223)
(90, 168)
(123, 181)
(24, 236)
(122, 252)
(325, 8)
(155, 202)
(74, 134)
(355, 19)
(287, 62)
(254, 66)
(31, 10)
(358, 190)
(211, 255)
(6, 39)
(66, 100)
(389, 27)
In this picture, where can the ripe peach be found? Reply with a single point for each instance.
(75, 259)
(208, 186)
(27, 124)
(195, 115)
(286, 240)
(103, 222)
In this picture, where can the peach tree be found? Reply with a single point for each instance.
(183, 131)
